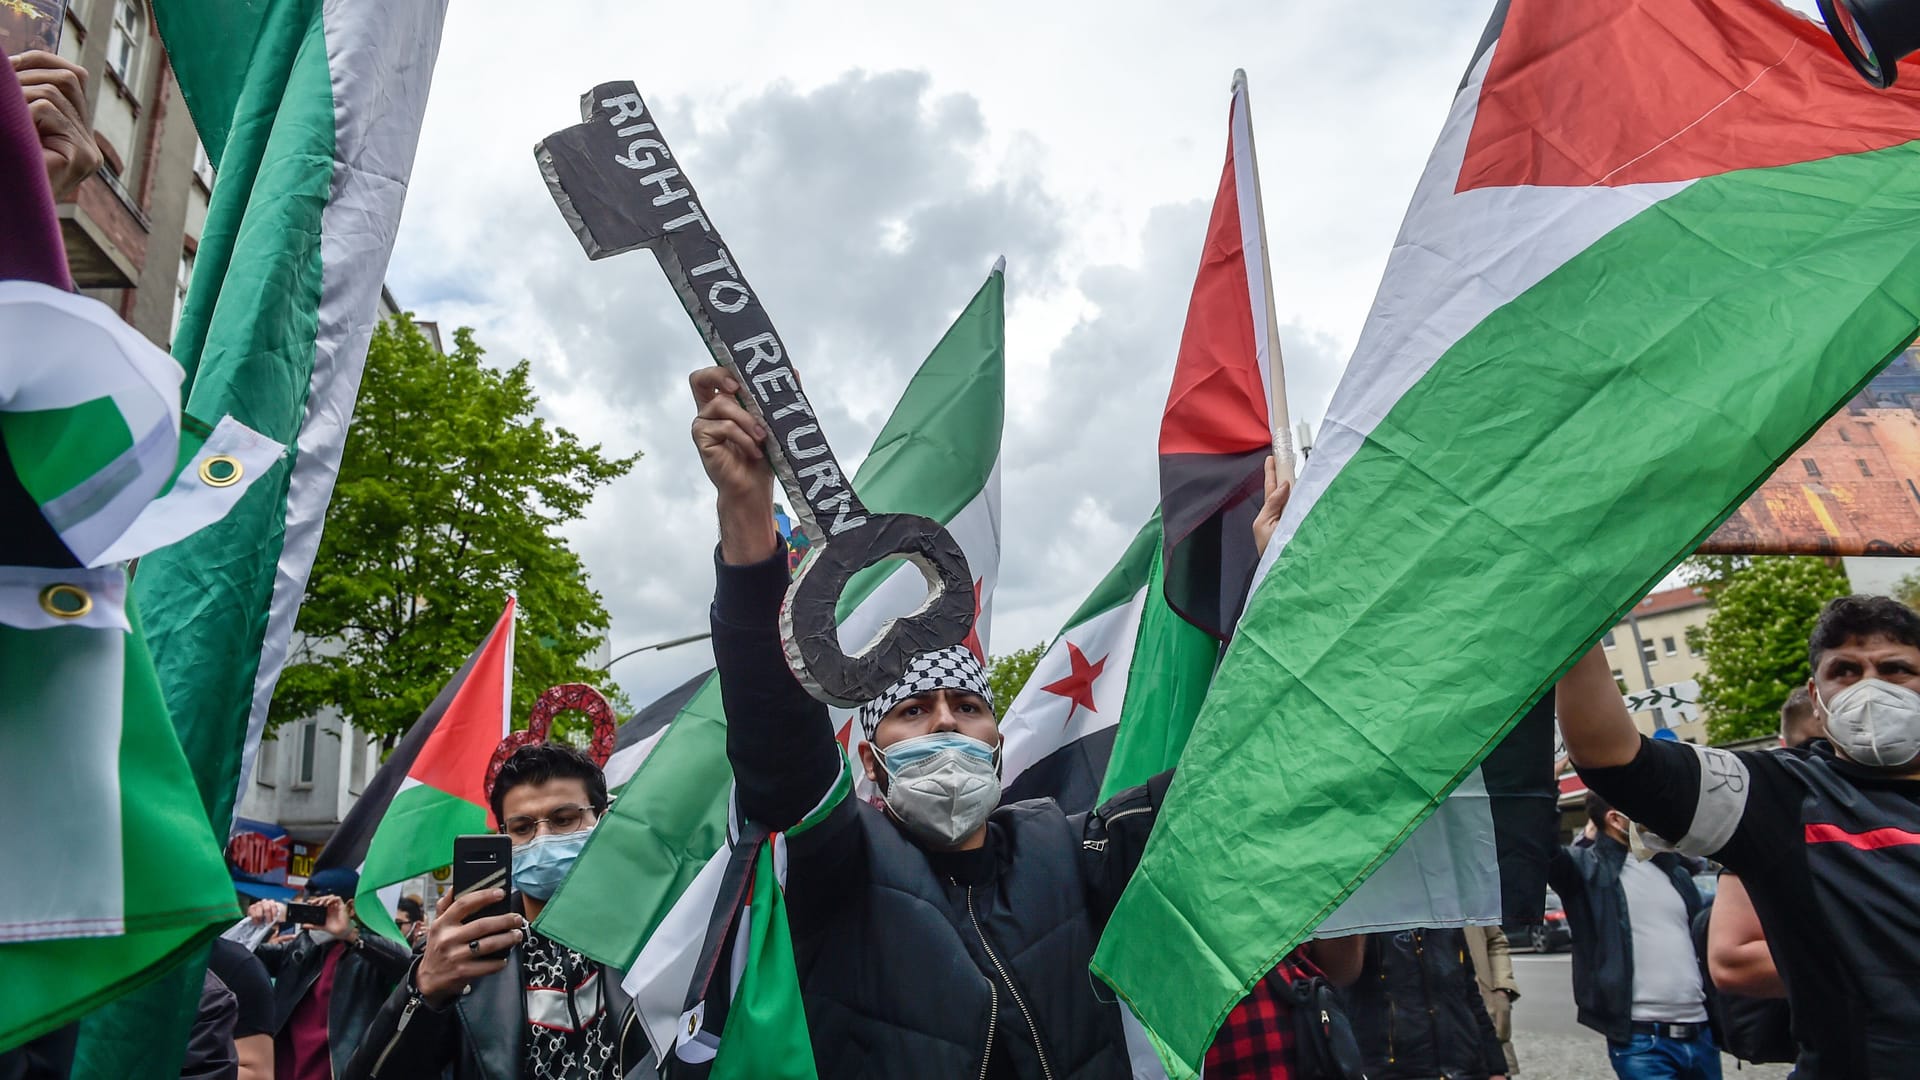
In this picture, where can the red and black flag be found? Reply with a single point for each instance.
(1218, 428)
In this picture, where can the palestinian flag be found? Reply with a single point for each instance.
(310, 112)
(433, 787)
(1217, 432)
(636, 738)
(744, 1017)
(1657, 244)
(937, 455)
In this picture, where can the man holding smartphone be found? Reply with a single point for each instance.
(328, 981)
(488, 996)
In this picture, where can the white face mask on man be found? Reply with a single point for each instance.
(941, 786)
(1875, 723)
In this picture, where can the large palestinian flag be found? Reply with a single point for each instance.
(432, 788)
(938, 455)
(1657, 244)
(1216, 433)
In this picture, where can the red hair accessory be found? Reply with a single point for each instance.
(567, 697)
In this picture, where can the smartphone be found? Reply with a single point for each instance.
(484, 861)
(307, 914)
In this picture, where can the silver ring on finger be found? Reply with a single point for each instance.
(474, 946)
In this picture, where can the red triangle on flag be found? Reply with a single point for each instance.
(1670, 90)
(454, 758)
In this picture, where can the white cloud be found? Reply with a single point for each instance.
(866, 163)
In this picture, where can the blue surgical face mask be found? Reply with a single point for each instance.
(540, 864)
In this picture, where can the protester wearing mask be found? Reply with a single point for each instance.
(327, 980)
(411, 918)
(1636, 977)
(490, 998)
(940, 935)
(1826, 838)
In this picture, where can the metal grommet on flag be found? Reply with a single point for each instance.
(65, 601)
(221, 470)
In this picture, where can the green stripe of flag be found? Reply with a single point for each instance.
(1552, 465)
(418, 813)
(1167, 679)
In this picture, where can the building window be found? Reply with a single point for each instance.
(266, 762)
(1693, 647)
(1667, 645)
(126, 40)
(1862, 462)
(309, 746)
(1813, 467)
(182, 278)
(1648, 652)
(202, 165)
(357, 771)
(1607, 642)
(1620, 679)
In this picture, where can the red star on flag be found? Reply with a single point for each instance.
(1078, 686)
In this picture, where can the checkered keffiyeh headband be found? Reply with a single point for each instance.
(951, 668)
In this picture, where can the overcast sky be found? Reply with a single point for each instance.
(866, 163)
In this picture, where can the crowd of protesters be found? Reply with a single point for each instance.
(941, 933)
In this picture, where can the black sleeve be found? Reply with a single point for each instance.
(779, 739)
(210, 1054)
(246, 976)
(408, 1038)
(387, 957)
(1738, 807)
(273, 956)
(1492, 1054)
(1112, 840)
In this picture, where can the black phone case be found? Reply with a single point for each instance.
(484, 861)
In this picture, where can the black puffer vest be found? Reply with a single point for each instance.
(912, 974)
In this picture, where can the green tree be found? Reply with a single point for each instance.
(451, 494)
(1756, 641)
(1907, 590)
(1007, 674)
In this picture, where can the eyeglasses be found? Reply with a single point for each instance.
(563, 819)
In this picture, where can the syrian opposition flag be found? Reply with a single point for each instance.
(1217, 431)
(1609, 314)
(1111, 701)
(432, 788)
(658, 854)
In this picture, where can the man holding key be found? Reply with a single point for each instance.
(945, 935)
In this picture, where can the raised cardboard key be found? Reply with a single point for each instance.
(620, 188)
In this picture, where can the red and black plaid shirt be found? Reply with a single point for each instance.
(1257, 1039)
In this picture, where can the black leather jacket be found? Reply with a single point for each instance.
(481, 1036)
(1588, 881)
(367, 973)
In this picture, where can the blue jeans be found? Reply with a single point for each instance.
(1655, 1057)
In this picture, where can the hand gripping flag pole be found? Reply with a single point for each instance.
(620, 188)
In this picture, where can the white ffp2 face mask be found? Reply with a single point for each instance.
(941, 786)
(1875, 723)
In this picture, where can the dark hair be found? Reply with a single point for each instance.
(1597, 810)
(412, 910)
(542, 762)
(1847, 617)
(1795, 716)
